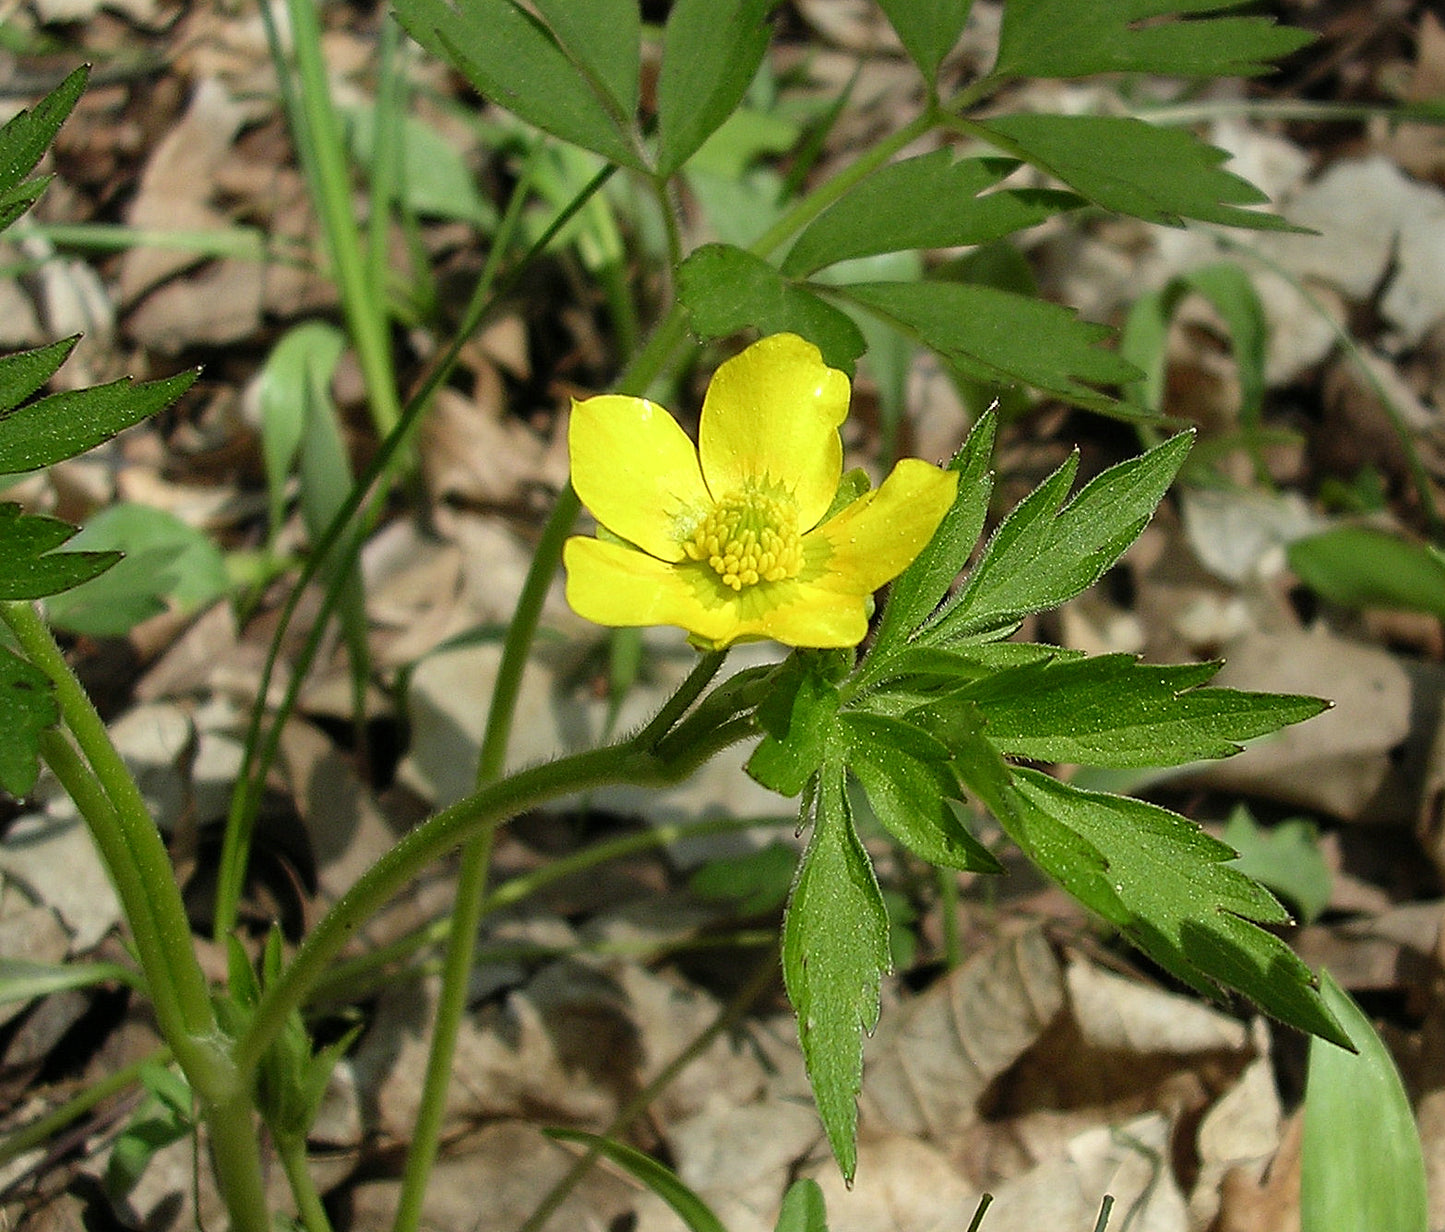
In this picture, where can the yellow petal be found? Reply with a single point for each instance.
(636, 470)
(772, 413)
(876, 537)
(618, 586)
(817, 618)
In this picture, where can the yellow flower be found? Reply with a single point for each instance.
(727, 540)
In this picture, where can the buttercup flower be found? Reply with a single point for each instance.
(727, 540)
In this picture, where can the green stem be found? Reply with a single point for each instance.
(236, 1160)
(292, 1150)
(128, 839)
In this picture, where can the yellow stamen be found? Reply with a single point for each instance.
(750, 536)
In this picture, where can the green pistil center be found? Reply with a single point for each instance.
(749, 537)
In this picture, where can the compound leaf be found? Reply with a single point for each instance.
(61, 425)
(1112, 710)
(1045, 552)
(25, 137)
(1162, 175)
(905, 774)
(1182, 902)
(882, 213)
(570, 90)
(928, 29)
(835, 952)
(710, 51)
(726, 289)
(1076, 38)
(1001, 338)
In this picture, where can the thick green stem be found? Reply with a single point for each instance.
(236, 1160)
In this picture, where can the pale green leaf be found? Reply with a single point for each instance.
(1362, 567)
(1162, 175)
(1285, 856)
(803, 1209)
(1361, 1163)
(1076, 38)
(882, 213)
(835, 953)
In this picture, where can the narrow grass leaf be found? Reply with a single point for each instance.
(1161, 175)
(22, 981)
(691, 1209)
(882, 213)
(710, 51)
(1077, 38)
(835, 952)
(1001, 338)
(1362, 1165)
(803, 1209)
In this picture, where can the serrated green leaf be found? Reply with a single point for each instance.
(796, 717)
(928, 29)
(30, 568)
(166, 562)
(1000, 337)
(1162, 175)
(1361, 1164)
(906, 776)
(1077, 38)
(710, 51)
(514, 59)
(24, 372)
(1045, 552)
(913, 596)
(1185, 906)
(27, 708)
(726, 289)
(803, 1209)
(28, 134)
(835, 953)
(1285, 857)
(691, 1209)
(62, 425)
(882, 213)
(1361, 566)
(1114, 711)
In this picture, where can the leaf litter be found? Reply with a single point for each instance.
(1048, 1068)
